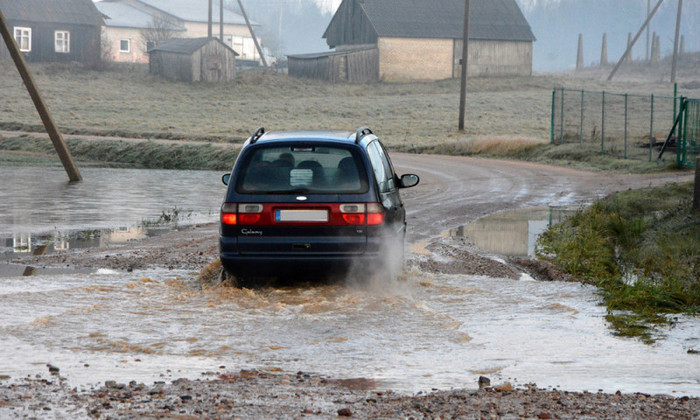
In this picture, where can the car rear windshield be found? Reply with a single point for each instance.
(302, 169)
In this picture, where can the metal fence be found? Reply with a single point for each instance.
(621, 125)
(689, 146)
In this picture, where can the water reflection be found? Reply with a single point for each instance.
(56, 242)
(513, 233)
(49, 243)
(40, 200)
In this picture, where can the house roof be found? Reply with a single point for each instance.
(194, 11)
(186, 46)
(330, 53)
(76, 12)
(500, 20)
(122, 15)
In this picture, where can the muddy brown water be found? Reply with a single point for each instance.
(421, 332)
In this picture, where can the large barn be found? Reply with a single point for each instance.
(421, 40)
(54, 30)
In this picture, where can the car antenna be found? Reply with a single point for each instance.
(258, 133)
(363, 131)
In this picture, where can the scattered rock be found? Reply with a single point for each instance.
(506, 387)
(345, 412)
(484, 382)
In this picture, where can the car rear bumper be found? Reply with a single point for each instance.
(298, 264)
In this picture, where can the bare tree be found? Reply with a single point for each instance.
(160, 30)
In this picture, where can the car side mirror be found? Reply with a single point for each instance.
(226, 179)
(408, 181)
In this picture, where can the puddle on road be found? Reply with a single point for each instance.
(513, 233)
(419, 333)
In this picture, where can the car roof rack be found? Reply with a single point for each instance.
(256, 136)
(361, 133)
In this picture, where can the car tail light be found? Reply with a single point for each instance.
(241, 214)
(359, 214)
(375, 214)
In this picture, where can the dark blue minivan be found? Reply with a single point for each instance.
(312, 203)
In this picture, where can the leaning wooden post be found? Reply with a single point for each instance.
(629, 47)
(41, 107)
(696, 195)
(250, 28)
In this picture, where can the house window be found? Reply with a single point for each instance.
(62, 41)
(150, 45)
(23, 36)
(125, 45)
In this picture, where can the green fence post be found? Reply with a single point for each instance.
(626, 120)
(602, 127)
(651, 127)
(580, 137)
(551, 128)
(561, 129)
(675, 105)
(684, 132)
(678, 130)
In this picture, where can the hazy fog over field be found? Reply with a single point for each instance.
(297, 27)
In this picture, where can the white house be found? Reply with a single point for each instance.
(128, 23)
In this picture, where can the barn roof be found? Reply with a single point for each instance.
(125, 16)
(500, 20)
(194, 11)
(186, 46)
(76, 12)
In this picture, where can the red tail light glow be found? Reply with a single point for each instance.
(375, 214)
(355, 214)
(244, 214)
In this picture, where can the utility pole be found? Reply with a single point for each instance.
(674, 65)
(465, 55)
(250, 28)
(209, 25)
(49, 124)
(631, 44)
(221, 20)
(648, 57)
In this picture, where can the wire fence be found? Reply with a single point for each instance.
(689, 147)
(621, 125)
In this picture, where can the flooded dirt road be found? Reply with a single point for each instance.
(139, 312)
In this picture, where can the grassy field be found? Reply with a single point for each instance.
(129, 102)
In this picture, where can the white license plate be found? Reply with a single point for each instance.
(301, 216)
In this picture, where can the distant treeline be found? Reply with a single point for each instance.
(557, 24)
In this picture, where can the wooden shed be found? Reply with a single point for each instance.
(194, 60)
(422, 39)
(54, 30)
(354, 65)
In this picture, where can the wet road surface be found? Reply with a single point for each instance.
(423, 331)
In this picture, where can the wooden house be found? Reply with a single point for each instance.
(128, 21)
(194, 60)
(54, 30)
(354, 65)
(422, 39)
